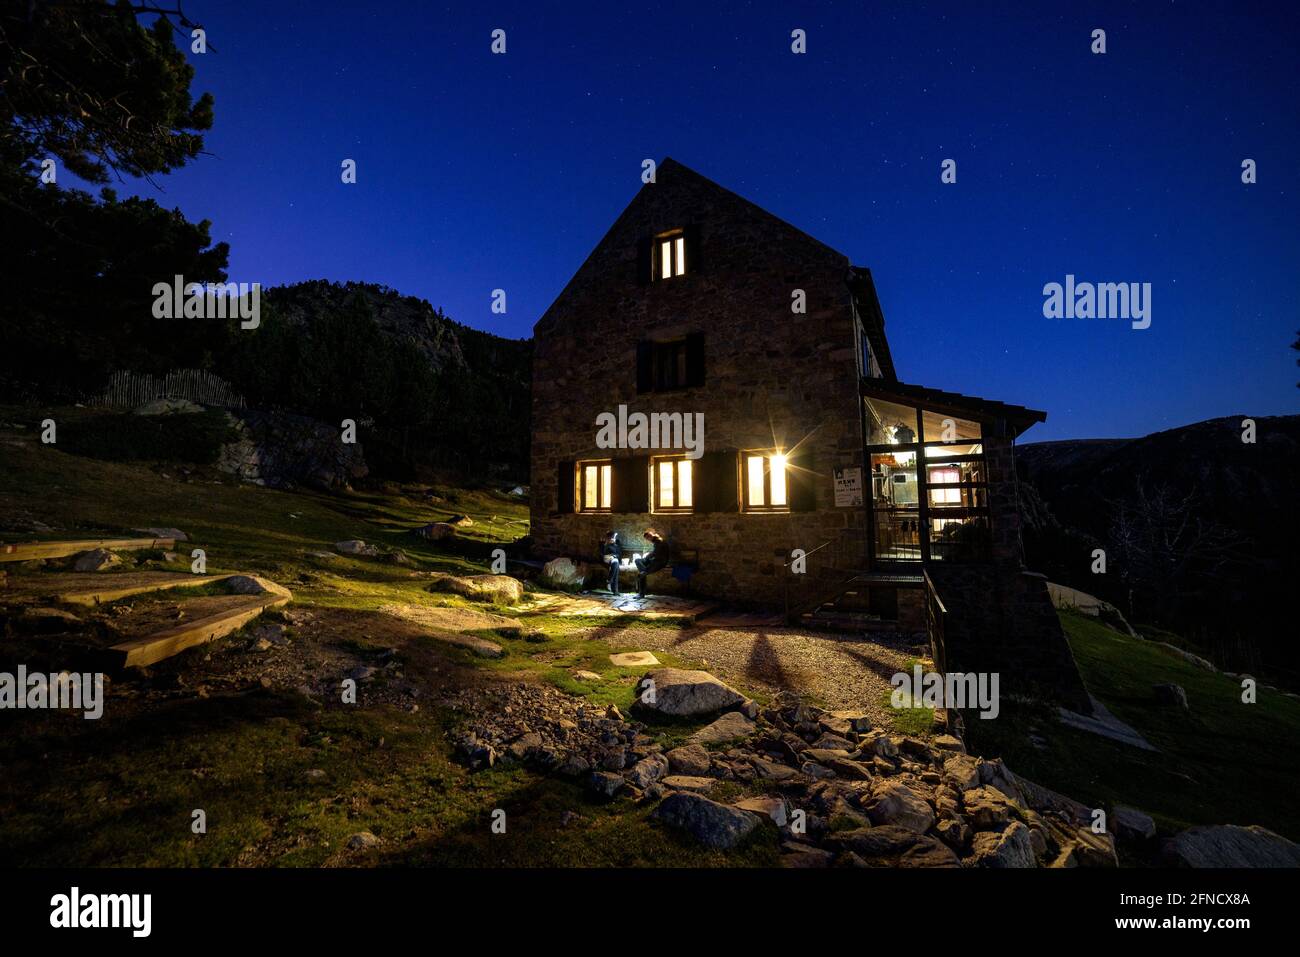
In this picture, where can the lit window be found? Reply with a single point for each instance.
(673, 484)
(595, 486)
(941, 495)
(672, 256)
(765, 482)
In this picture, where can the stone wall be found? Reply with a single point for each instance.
(773, 379)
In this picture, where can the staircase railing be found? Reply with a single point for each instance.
(935, 621)
(839, 560)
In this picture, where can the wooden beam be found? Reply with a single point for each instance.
(102, 595)
(26, 551)
(170, 641)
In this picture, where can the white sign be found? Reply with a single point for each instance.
(848, 488)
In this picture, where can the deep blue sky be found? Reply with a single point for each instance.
(479, 171)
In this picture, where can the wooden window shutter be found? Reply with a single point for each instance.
(717, 488)
(643, 261)
(645, 367)
(564, 487)
(802, 484)
(695, 359)
(694, 254)
(631, 493)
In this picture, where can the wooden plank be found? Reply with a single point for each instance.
(101, 595)
(26, 551)
(163, 644)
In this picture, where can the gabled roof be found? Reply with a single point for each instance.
(1017, 417)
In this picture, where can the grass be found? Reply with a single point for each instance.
(1223, 762)
(122, 791)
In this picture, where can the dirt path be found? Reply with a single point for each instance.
(834, 671)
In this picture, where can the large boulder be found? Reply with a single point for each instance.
(497, 589)
(681, 693)
(690, 759)
(282, 450)
(893, 802)
(95, 560)
(1010, 848)
(712, 824)
(1229, 845)
(565, 573)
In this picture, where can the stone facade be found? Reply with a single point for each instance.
(773, 379)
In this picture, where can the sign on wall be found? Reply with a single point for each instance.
(848, 487)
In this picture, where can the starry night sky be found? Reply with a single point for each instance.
(478, 171)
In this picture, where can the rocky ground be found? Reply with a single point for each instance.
(839, 790)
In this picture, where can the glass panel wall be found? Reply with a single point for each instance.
(929, 485)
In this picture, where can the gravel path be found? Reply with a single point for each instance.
(834, 671)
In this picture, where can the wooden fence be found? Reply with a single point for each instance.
(126, 390)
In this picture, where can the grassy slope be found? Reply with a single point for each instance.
(122, 790)
(1224, 762)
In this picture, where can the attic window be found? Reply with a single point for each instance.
(670, 255)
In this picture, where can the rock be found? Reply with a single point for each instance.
(947, 742)
(362, 840)
(987, 809)
(729, 727)
(262, 644)
(483, 647)
(356, 546)
(891, 846)
(95, 560)
(833, 742)
(633, 659)
(674, 691)
(648, 770)
(435, 531)
(564, 573)
(457, 619)
(605, 783)
(857, 722)
(586, 676)
(498, 589)
(1009, 848)
(961, 771)
(996, 775)
(522, 746)
(1130, 824)
(770, 770)
(1229, 845)
(167, 407)
(686, 782)
(1170, 695)
(954, 832)
(771, 807)
(795, 854)
(573, 766)
(893, 802)
(173, 533)
(690, 760)
(712, 824)
(283, 450)
(46, 620)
